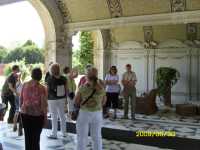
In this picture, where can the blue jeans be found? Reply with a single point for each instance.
(17, 103)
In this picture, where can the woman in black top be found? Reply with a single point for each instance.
(57, 91)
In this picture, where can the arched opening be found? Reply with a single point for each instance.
(97, 50)
(28, 20)
(49, 28)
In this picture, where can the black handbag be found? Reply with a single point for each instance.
(75, 113)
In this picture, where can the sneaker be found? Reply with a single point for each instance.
(51, 136)
(64, 134)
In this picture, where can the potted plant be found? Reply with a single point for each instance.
(166, 78)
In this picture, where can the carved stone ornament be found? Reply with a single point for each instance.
(192, 31)
(148, 33)
(178, 5)
(64, 10)
(115, 8)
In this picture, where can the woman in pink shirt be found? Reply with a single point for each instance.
(33, 109)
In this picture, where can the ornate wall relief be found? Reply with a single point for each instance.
(115, 8)
(148, 33)
(178, 5)
(191, 31)
(148, 37)
(64, 10)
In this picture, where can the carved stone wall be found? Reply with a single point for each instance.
(115, 8)
(60, 49)
(64, 11)
(178, 5)
(192, 31)
(148, 33)
(146, 61)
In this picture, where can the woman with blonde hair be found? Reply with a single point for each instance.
(57, 92)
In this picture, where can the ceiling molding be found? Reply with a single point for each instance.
(115, 8)
(146, 20)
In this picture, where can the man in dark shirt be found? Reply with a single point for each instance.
(9, 92)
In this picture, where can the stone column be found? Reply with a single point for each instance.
(64, 49)
(106, 50)
(50, 52)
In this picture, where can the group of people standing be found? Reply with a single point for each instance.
(113, 90)
(92, 96)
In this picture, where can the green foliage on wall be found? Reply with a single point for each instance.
(84, 56)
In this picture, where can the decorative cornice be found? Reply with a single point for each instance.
(146, 20)
(115, 8)
(64, 11)
(178, 5)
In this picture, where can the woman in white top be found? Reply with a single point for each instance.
(112, 91)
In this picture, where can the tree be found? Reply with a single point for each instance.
(3, 53)
(28, 51)
(29, 43)
(84, 56)
(33, 54)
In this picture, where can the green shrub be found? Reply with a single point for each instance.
(166, 78)
(25, 69)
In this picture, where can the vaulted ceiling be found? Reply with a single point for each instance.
(86, 10)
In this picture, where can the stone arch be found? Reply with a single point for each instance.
(102, 51)
(56, 39)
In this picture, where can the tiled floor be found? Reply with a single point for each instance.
(186, 127)
(11, 141)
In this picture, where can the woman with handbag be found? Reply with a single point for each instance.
(90, 97)
(33, 102)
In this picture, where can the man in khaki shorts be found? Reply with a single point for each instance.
(129, 80)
